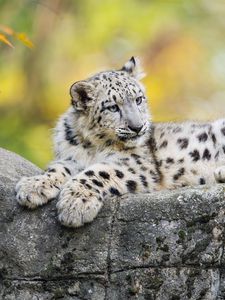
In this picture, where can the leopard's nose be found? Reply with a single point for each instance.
(135, 129)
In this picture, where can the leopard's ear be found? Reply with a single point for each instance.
(133, 68)
(82, 94)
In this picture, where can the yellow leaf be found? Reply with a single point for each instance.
(24, 39)
(18, 35)
(5, 40)
(7, 30)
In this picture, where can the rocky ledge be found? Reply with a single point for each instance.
(167, 245)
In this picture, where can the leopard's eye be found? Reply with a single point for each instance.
(139, 100)
(114, 108)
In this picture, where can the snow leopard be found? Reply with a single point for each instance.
(106, 145)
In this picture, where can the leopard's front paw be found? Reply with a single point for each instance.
(35, 191)
(77, 207)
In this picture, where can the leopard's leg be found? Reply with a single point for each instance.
(83, 195)
(38, 190)
(219, 174)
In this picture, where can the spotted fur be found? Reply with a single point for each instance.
(106, 145)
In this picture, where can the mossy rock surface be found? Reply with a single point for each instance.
(165, 245)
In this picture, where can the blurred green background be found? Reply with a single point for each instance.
(181, 44)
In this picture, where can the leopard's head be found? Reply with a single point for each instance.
(113, 103)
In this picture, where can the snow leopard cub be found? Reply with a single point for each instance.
(106, 145)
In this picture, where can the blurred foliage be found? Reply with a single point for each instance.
(9, 32)
(181, 44)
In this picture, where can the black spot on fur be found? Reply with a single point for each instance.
(179, 173)
(155, 176)
(89, 173)
(206, 154)
(143, 180)
(180, 161)
(169, 160)
(88, 186)
(109, 143)
(177, 129)
(131, 186)
(84, 200)
(131, 170)
(52, 170)
(83, 181)
(86, 144)
(223, 130)
(202, 137)
(101, 136)
(104, 174)
(67, 170)
(114, 97)
(73, 142)
(143, 168)
(125, 159)
(163, 145)
(135, 156)
(195, 155)
(183, 143)
(98, 183)
(214, 139)
(202, 181)
(69, 158)
(69, 135)
(159, 163)
(217, 155)
(114, 191)
(224, 149)
(119, 174)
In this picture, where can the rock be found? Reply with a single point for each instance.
(165, 245)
